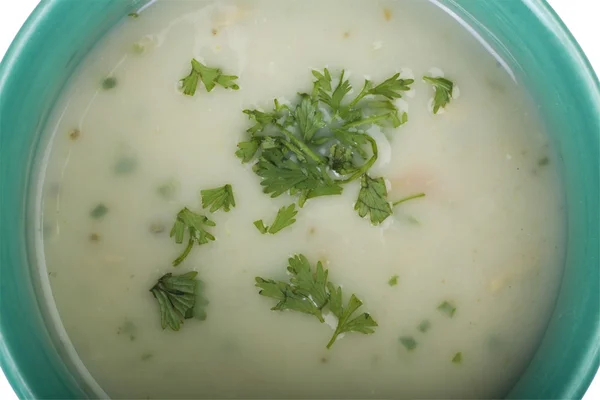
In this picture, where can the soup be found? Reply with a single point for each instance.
(401, 164)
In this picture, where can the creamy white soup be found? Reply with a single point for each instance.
(452, 236)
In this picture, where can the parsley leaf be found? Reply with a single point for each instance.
(391, 87)
(210, 77)
(221, 197)
(309, 118)
(176, 296)
(334, 100)
(280, 175)
(284, 218)
(310, 292)
(309, 284)
(362, 323)
(247, 150)
(306, 291)
(195, 224)
(372, 200)
(323, 82)
(443, 91)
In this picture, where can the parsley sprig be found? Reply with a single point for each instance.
(210, 77)
(196, 225)
(443, 91)
(284, 218)
(314, 147)
(310, 292)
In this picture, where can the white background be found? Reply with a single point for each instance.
(579, 15)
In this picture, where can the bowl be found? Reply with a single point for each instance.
(525, 33)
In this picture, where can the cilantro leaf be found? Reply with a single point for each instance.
(210, 77)
(443, 91)
(284, 218)
(176, 296)
(221, 197)
(362, 323)
(309, 118)
(195, 224)
(372, 200)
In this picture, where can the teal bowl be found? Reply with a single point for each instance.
(525, 33)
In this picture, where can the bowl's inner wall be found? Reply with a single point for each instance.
(525, 33)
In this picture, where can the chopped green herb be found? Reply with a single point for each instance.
(125, 165)
(210, 77)
(99, 211)
(284, 218)
(393, 280)
(74, 134)
(447, 308)
(372, 200)
(408, 342)
(138, 48)
(133, 15)
(309, 292)
(543, 161)
(312, 148)
(221, 197)
(407, 198)
(157, 227)
(443, 91)
(413, 220)
(457, 359)
(128, 329)
(424, 326)
(195, 224)
(260, 225)
(176, 296)
(109, 83)
(147, 356)
(168, 189)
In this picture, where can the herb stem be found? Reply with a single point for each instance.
(407, 198)
(360, 96)
(366, 166)
(185, 253)
(301, 145)
(333, 338)
(365, 121)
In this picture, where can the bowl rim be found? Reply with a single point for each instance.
(545, 15)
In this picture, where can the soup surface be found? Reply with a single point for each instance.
(461, 281)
